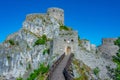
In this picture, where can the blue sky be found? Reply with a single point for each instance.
(94, 19)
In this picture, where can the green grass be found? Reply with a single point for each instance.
(39, 73)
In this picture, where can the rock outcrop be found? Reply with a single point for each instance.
(18, 55)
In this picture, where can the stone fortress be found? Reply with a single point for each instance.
(57, 13)
(45, 23)
(61, 42)
(66, 42)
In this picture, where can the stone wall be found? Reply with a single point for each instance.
(56, 13)
(16, 59)
(108, 41)
(108, 48)
(64, 40)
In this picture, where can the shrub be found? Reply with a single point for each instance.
(41, 70)
(65, 28)
(11, 42)
(96, 71)
(41, 41)
(19, 78)
(8, 57)
(44, 37)
(29, 66)
(46, 51)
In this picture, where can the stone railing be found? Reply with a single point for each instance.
(67, 72)
(52, 68)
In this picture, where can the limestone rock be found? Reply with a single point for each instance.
(18, 52)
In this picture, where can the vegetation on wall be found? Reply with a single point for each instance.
(11, 42)
(46, 51)
(41, 41)
(29, 66)
(96, 71)
(8, 57)
(65, 28)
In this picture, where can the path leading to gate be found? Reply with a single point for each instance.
(58, 72)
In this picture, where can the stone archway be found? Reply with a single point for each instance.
(68, 50)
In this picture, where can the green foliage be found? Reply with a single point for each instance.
(116, 59)
(41, 70)
(11, 42)
(117, 42)
(65, 28)
(41, 41)
(96, 71)
(8, 57)
(21, 63)
(29, 66)
(46, 51)
(19, 78)
(44, 37)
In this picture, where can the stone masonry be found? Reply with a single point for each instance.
(108, 49)
(67, 42)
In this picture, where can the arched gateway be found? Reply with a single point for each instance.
(68, 50)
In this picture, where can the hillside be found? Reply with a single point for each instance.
(42, 39)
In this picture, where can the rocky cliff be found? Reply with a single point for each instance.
(23, 51)
(19, 54)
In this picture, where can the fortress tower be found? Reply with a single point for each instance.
(66, 42)
(108, 41)
(56, 13)
(108, 48)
